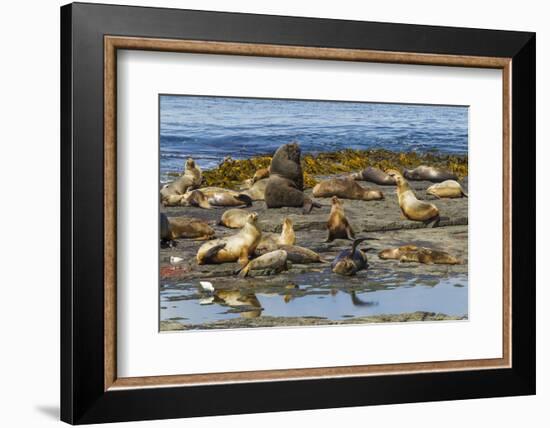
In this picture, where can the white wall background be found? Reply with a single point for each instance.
(29, 165)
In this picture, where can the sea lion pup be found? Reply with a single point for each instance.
(191, 228)
(447, 189)
(338, 225)
(345, 188)
(350, 261)
(191, 178)
(234, 218)
(194, 198)
(256, 191)
(275, 261)
(220, 197)
(411, 207)
(260, 174)
(412, 253)
(429, 173)
(232, 248)
(374, 175)
(285, 184)
(271, 241)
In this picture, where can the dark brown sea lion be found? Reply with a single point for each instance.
(338, 225)
(285, 183)
(286, 163)
(429, 173)
(166, 239)
(412, 253)
(411, 207)
(374, 175)
(350, 261)
(345, 188)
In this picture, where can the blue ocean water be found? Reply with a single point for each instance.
(210, 128)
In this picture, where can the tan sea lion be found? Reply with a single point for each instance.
(193, 228)
(234, 218)
(260, 174)
(338, 225)
(194, 198)
(191, 178)
(286, 182)
(220, 197)
(345, 188)
(274, 260)
(412, 253)
(300, 255)
(232, 248)
(374, 175)
(447, 189)
(257, 190)
(411, 207)
(271, 241)
(429, 173)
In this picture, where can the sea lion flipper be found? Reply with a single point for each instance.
(350, 232)
(211, 252)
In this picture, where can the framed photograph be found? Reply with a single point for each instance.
(266, 213)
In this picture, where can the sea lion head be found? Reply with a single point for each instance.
(252, 218)
(190, 163)
(335, 201)
(293, 151)
(287, 223)
(394, 173)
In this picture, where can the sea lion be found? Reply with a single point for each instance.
(345, 188)
(286, 163)
(166, 239)
(194, 198)
(271, 241)
(234, 218)
(285, 184)
(374, 175)
(257, 190)
(338, 225)
(447, 189)
(412, 253)
(232, 248)
(191, 178)
(350, 261)
(274, 261)
(220, 197)
(300, 255)
(429, 173)
(411, 207)
(260, 174)
(192, 228)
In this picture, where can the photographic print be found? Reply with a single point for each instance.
(292, 213)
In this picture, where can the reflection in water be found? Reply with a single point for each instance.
(189, 304)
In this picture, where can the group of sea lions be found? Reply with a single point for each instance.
(282, 185)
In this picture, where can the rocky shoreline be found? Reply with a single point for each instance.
(378, 219)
